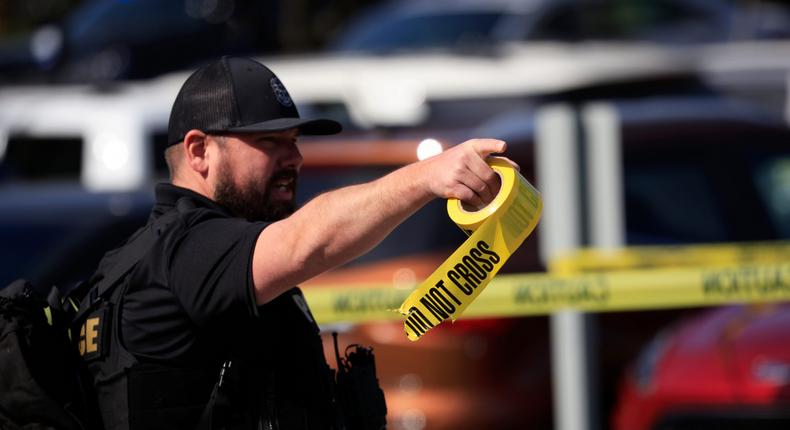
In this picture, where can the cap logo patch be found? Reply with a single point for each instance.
(280, 92)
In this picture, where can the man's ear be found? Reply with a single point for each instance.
(195, 142)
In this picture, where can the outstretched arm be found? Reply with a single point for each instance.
(343, 224)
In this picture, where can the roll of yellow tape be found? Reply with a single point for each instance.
(495, 232)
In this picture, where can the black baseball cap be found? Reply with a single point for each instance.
(238, 95)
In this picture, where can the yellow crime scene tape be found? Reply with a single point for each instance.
(495, 232)
(591, 280)
(590, 260)
(538, 294)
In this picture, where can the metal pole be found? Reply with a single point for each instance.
(561, 230)
(604, 176)
(605, 213)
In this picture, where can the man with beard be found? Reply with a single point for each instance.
(213, 288)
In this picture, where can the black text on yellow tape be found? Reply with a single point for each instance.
(540, 294)
(516, 295)
(495, 232)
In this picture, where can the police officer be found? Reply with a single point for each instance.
(215, 291)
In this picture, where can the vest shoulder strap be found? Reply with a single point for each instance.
(134, 251)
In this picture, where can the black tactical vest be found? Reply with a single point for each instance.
(279, 381)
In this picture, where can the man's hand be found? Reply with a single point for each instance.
(462, 173)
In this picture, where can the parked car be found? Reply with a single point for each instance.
(102, 41)
(724, 368)
(478, 26)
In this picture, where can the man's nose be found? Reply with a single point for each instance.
(293, 157)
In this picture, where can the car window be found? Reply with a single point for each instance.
(407, 32)
(41, 159)
(102, 21)
(707, 182)
(772, 178)
(627, 20)
(668, 201)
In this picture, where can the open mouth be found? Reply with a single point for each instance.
(284, 182)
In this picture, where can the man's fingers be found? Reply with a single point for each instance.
(509, 161)
(482, 188)
(486, 147)
(462, 172)
(469, 198)
(487, 181)
(468, 187)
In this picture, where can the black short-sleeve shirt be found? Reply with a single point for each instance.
(195, 285)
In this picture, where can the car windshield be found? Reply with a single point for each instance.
(428, 31)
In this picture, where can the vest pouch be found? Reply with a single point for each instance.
(163, 397)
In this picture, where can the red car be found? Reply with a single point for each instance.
(725, 368)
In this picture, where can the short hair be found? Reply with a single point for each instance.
(174, 154)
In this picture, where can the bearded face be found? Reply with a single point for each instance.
(258, 198)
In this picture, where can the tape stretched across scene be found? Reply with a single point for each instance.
(516, 295)
(669, 256)
(495, 232)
